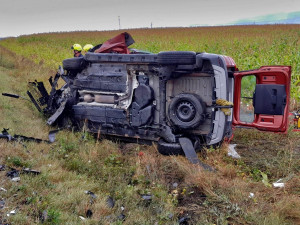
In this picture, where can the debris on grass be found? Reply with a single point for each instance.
(183, 220)
(3, 189)
(52, 135)
(93, 196)
(2, 204)
(2, 167)
(43, 216)
(82, 218)
(251, 195)
(147, 197)
(122, 217)
(110, 202)
(16, 179)
(175, 185)
(89, 213)
(22, 138)
(278, 184)
(11, 213)
(232, 152)
(29, 171)
(13, 174)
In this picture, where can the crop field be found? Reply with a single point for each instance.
(88, 180)
(250, 46)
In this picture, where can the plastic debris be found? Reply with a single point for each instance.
(232, 153)
(89, 213)
(2, 204)
(175, 185)
(3, 189)
(278, 184)
(82, 218)
(16, 179)
(183, 220)
(170, 215)
(13, 173)
(110, 202)
(52, 135)
(29, 171)
(251, 195)
(22, 138)
(2, 167)
(93, 196)
(11, 213)
(147, 197)
(121, 217)
(43, 216)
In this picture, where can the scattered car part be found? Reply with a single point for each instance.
(251, 195)
(184, 220)
(278, 184)
(82, 218)
(121, 217)
(232, 152)
(91, 194)
(147, 197)
(30, 171)
(3, 189)
(11, 213)
(16, 179)
(89, 213)
(296, 120)
(110, 202)
(14, 96)
(13, 173)
(52, 135)
(2, 167)
(2, 204)
(17, 137)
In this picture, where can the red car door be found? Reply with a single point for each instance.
(270, 100)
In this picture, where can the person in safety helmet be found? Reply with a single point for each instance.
(88, 47)
(77, 50)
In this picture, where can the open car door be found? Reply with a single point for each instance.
(261, 98)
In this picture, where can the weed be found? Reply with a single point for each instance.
(17, 161)
(53, 217)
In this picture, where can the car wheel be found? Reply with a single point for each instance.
(186, 111)
(177, 57)
(166, 148)
(75, 63)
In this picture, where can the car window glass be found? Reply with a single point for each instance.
(246, 106)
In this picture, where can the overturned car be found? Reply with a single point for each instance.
(180, 99)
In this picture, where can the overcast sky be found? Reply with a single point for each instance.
(19, 17)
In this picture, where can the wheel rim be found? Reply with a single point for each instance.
(185, 111)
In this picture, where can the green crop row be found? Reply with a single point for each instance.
(250, 46)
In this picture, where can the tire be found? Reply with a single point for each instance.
(76, 63)
(166, 148)
(176, 57)
(186, 111)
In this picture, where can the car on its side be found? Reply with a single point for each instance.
(174, 98)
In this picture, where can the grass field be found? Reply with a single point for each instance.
(250, 46)
(77, 162)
